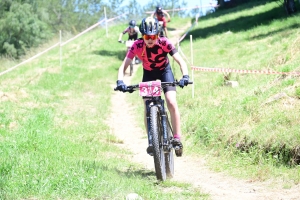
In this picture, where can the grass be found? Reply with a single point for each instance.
(249, 126)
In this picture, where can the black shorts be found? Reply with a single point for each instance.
(165, 75)
(133, 37)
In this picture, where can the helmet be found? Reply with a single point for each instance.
(159, 8)
(149, 26)
(132, 23)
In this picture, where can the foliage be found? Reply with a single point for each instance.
(20, 29)
(26, 23)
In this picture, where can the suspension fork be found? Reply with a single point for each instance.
(148, 122)
(163, 119)
(163, 116)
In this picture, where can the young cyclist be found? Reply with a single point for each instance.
(153, 51)
(159, 13)
(132, 30)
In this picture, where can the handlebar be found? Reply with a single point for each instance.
(132, 88)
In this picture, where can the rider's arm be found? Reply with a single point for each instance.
(126, 62)
(152, 15)
(166, 13)
(183, 67)
(121, 34)
(120, 37)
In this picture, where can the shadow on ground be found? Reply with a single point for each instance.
(138, 172)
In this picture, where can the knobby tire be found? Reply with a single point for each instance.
(158, 152)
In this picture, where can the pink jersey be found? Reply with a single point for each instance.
(155, 57)
(160, 16)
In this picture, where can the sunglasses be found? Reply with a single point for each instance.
(152, 37)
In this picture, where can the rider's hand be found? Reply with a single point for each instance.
(184, 81)
(169, 20)
(121, 86)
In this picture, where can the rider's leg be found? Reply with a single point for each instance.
(175, 120)
(174, 112)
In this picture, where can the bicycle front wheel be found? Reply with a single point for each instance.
(158, 152)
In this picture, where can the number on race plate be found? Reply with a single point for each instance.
(151, 88)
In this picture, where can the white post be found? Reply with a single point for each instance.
(60, 49)
(105, 21)
(174, 8)
(192, 62)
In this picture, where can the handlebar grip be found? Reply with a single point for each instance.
(130, 90)
(191, 82)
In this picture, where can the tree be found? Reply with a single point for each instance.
(20, 29)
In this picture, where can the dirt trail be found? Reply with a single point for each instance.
(189, 169)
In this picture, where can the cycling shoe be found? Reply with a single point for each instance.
(177, 145)
(150, 150)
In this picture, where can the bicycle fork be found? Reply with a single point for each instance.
(163, 119)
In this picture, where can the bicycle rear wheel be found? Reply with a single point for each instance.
(158, 152)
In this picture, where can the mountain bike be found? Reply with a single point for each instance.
(160, 132)
(128, 44)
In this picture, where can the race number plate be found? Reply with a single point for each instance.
(149, 89)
